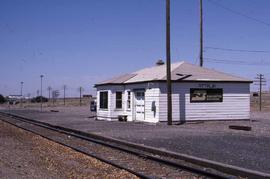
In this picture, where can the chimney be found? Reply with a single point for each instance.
(159, 62)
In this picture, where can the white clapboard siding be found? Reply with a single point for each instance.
(151, 94)
(163, 107)
(235, 105)
(104, 114)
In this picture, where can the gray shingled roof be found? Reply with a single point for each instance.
(181, 71)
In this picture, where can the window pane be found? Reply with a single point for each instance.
(118, 104)
(118, 99)
(103, 100)
(128, 100)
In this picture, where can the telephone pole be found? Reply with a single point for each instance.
(65, 86)
(49, 89)
(261, 80)
(201, 33)
(21, 94)
(168, 64)
(41, 100)
(80, 90)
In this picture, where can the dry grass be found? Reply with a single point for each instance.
(254, 102)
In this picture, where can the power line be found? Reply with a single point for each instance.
(235, 62)
(237, 50)
(239, 13)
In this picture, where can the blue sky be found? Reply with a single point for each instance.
(81, 42)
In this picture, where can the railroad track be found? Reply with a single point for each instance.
(151, 156)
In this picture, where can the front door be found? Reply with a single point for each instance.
(139, 105)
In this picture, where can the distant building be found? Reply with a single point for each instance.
(15, 96)
(15, 99)
(197, 94)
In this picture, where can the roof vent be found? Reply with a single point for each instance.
(159, 62)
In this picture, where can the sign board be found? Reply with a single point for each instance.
(206, 85)
(55, 93)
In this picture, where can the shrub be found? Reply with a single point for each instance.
(2, 99)
(38, 99)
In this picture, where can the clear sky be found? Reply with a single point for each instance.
(81, 42)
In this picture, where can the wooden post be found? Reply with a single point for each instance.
(260, 79)
(201, 33)
(168, 62)
(21, 94)
(65, 94)
(80, 96)
(41, 100)
(53, 97)
(49, 89)
(260, 92)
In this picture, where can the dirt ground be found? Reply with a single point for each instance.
(57, 102)
(25, 155)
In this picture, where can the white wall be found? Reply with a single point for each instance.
(151, 94)
(104, 114)
(235, 105)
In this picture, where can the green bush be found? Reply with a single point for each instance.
(2, 99)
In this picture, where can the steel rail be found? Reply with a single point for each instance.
(140, 175)
(102, 141)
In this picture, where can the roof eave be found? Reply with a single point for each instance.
(179, 81)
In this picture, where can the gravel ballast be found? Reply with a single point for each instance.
(26, 155)
(209, 140)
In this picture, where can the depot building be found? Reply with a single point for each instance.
(198, 93)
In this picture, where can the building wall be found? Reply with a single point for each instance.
(235, 105)
(104, 114)
(151, 95)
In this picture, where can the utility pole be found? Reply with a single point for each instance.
(261, 80)
(21, 94)
(65, 86)
(80, 89)
(201, 33)
(168, 62)
(55, 94)
(49, 89)
(41, 101)
(53, 97)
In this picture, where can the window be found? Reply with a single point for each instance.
(118, 100)
(206, 95)
(103, 99)
(140, 94)
(128, 100)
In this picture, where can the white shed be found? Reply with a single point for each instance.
(197, 94)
